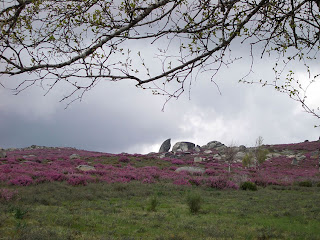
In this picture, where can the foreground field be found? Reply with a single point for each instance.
(58, 210)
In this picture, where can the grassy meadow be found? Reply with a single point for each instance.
(57, 210)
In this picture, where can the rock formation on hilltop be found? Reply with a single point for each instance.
(183, 147)
(165, 146)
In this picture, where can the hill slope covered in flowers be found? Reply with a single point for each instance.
(79, 167)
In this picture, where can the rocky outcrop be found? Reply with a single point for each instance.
(183, 147)
(165, 146)
(214, 145)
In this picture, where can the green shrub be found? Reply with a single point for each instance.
(153, 203)
(19, 213)
(194, 202)
(248, 186)
(247, 160)
(306, 183)
(261, 155)
(318, 185)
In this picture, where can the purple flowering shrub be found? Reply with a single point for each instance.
(23, 180)
(221, 183)
(124, 159)
(35, 166)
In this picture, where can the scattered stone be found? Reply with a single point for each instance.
(287, 152)
(183, 147)
(300, 157)
(28, 156)
(85, 168)
(198, 159)
(294, 161)
(12, 149)
(242, 148)
(207, 151)
(315, 155)
(217, 157)
(165, 146)
(3, 154)
(239, 156)
(273, 155)
(197, 149)
(74, 156)
(166, 154)
(191, 169)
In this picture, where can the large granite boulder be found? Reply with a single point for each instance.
(183, 147)
(214, 145)
(165, 146)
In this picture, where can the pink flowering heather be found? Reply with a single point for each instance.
(76, 180)
(22, 180)
(177, 162)
(221, 183)
(124, 159)
(182, 181)
(34, 166)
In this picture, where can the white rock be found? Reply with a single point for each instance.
(74, 156)
(191, 169)
(217, 157)
(85, 168)
(198, 159)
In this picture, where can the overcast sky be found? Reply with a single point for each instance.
(118, 117)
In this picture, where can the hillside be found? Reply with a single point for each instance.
(284, 165)
(187, 194)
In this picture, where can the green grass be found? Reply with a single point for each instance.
(122, 211)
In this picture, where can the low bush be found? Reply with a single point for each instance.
(306, 183)
(194, 202)
(248, 186)
(153, 203)
(124, 159)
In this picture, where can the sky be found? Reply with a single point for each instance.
(117, 117)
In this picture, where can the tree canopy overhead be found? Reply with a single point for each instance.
(83, 42)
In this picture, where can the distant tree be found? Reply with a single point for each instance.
(257, 156)
(230, 155)
(83, 42)
(247, 160)
(260, 153)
